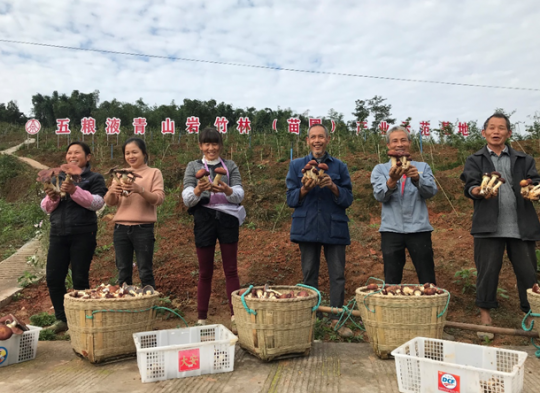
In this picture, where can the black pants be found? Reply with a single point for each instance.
(488, 257)
(393, 247)
(138, 238)
(335, 259)
(76, 250)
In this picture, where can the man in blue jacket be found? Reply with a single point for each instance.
(319, 218)
(404, 216)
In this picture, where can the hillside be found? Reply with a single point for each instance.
(265, 253)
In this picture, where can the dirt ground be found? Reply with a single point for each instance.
(266, 254)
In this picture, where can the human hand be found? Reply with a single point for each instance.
(68, 187)
(309, 184)
(52, 194)
(115, 188)
(222, 187)
(202, 185)
(412, 173)
(325, 181)
(396, 172)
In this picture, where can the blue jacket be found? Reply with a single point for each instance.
(405, 213)
(320, 217)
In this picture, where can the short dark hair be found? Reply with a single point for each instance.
(210, 135)
(140, 144)
(83, 145)
(499, 116)
(318, 125)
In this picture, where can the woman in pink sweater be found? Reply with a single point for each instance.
(134, 220)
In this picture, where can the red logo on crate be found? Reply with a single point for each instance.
(448, 382)
(189, 360)
(3, 354)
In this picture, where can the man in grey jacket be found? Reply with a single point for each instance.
(404, 217)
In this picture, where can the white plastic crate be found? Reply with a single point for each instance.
(188, 352)
(426, 365)
(20, 347)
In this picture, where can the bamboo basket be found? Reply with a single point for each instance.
(398, 319)
(102, 329)
(534, 302)
(281, 328)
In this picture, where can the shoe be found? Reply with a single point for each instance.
(58, 327)
(201, 322)
(234, 329)
(485, 335)
(343, 331)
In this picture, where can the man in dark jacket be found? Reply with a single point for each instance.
(319, 218)
(504, 220)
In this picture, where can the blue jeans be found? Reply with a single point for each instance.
(138, 238)
(335, 259)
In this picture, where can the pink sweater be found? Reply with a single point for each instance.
(134, 209)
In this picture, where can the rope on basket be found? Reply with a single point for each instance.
(347, 310)
(313, 289)
(91, 316)
(416, 285)
(528, 329)
(249, 310)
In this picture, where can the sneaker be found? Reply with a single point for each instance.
(343, 331)
(234, 329)
(201, 322)
(58, 327)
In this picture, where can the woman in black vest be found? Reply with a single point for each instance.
(73, 229)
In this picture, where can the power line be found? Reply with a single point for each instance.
(112, 52)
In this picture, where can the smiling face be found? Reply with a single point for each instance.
(317, 141)
(496, 133)
(134, 155)
(210, 150)
(399, 141)
(76, 155)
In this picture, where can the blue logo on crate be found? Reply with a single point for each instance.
(3, 354)
(448, 382)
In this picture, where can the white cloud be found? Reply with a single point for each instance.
(482, 42)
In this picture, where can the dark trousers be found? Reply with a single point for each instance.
(488, 257)
(76, 250)
(335, 259)
(205, 256)
(138, 238)
(393, 247)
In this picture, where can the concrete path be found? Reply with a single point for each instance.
(331, 367)
(14, 267)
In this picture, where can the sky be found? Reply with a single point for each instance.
(485, 42)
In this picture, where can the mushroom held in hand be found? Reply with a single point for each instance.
(73, 173)
(405, 160)
(536, 288)
(526, 187)
(494, 176)
(483, 185)
(49, 179)
(219, 173)
(394, 157)
(124, 176)
(322, 168)
(202, 174)
(500, 182)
